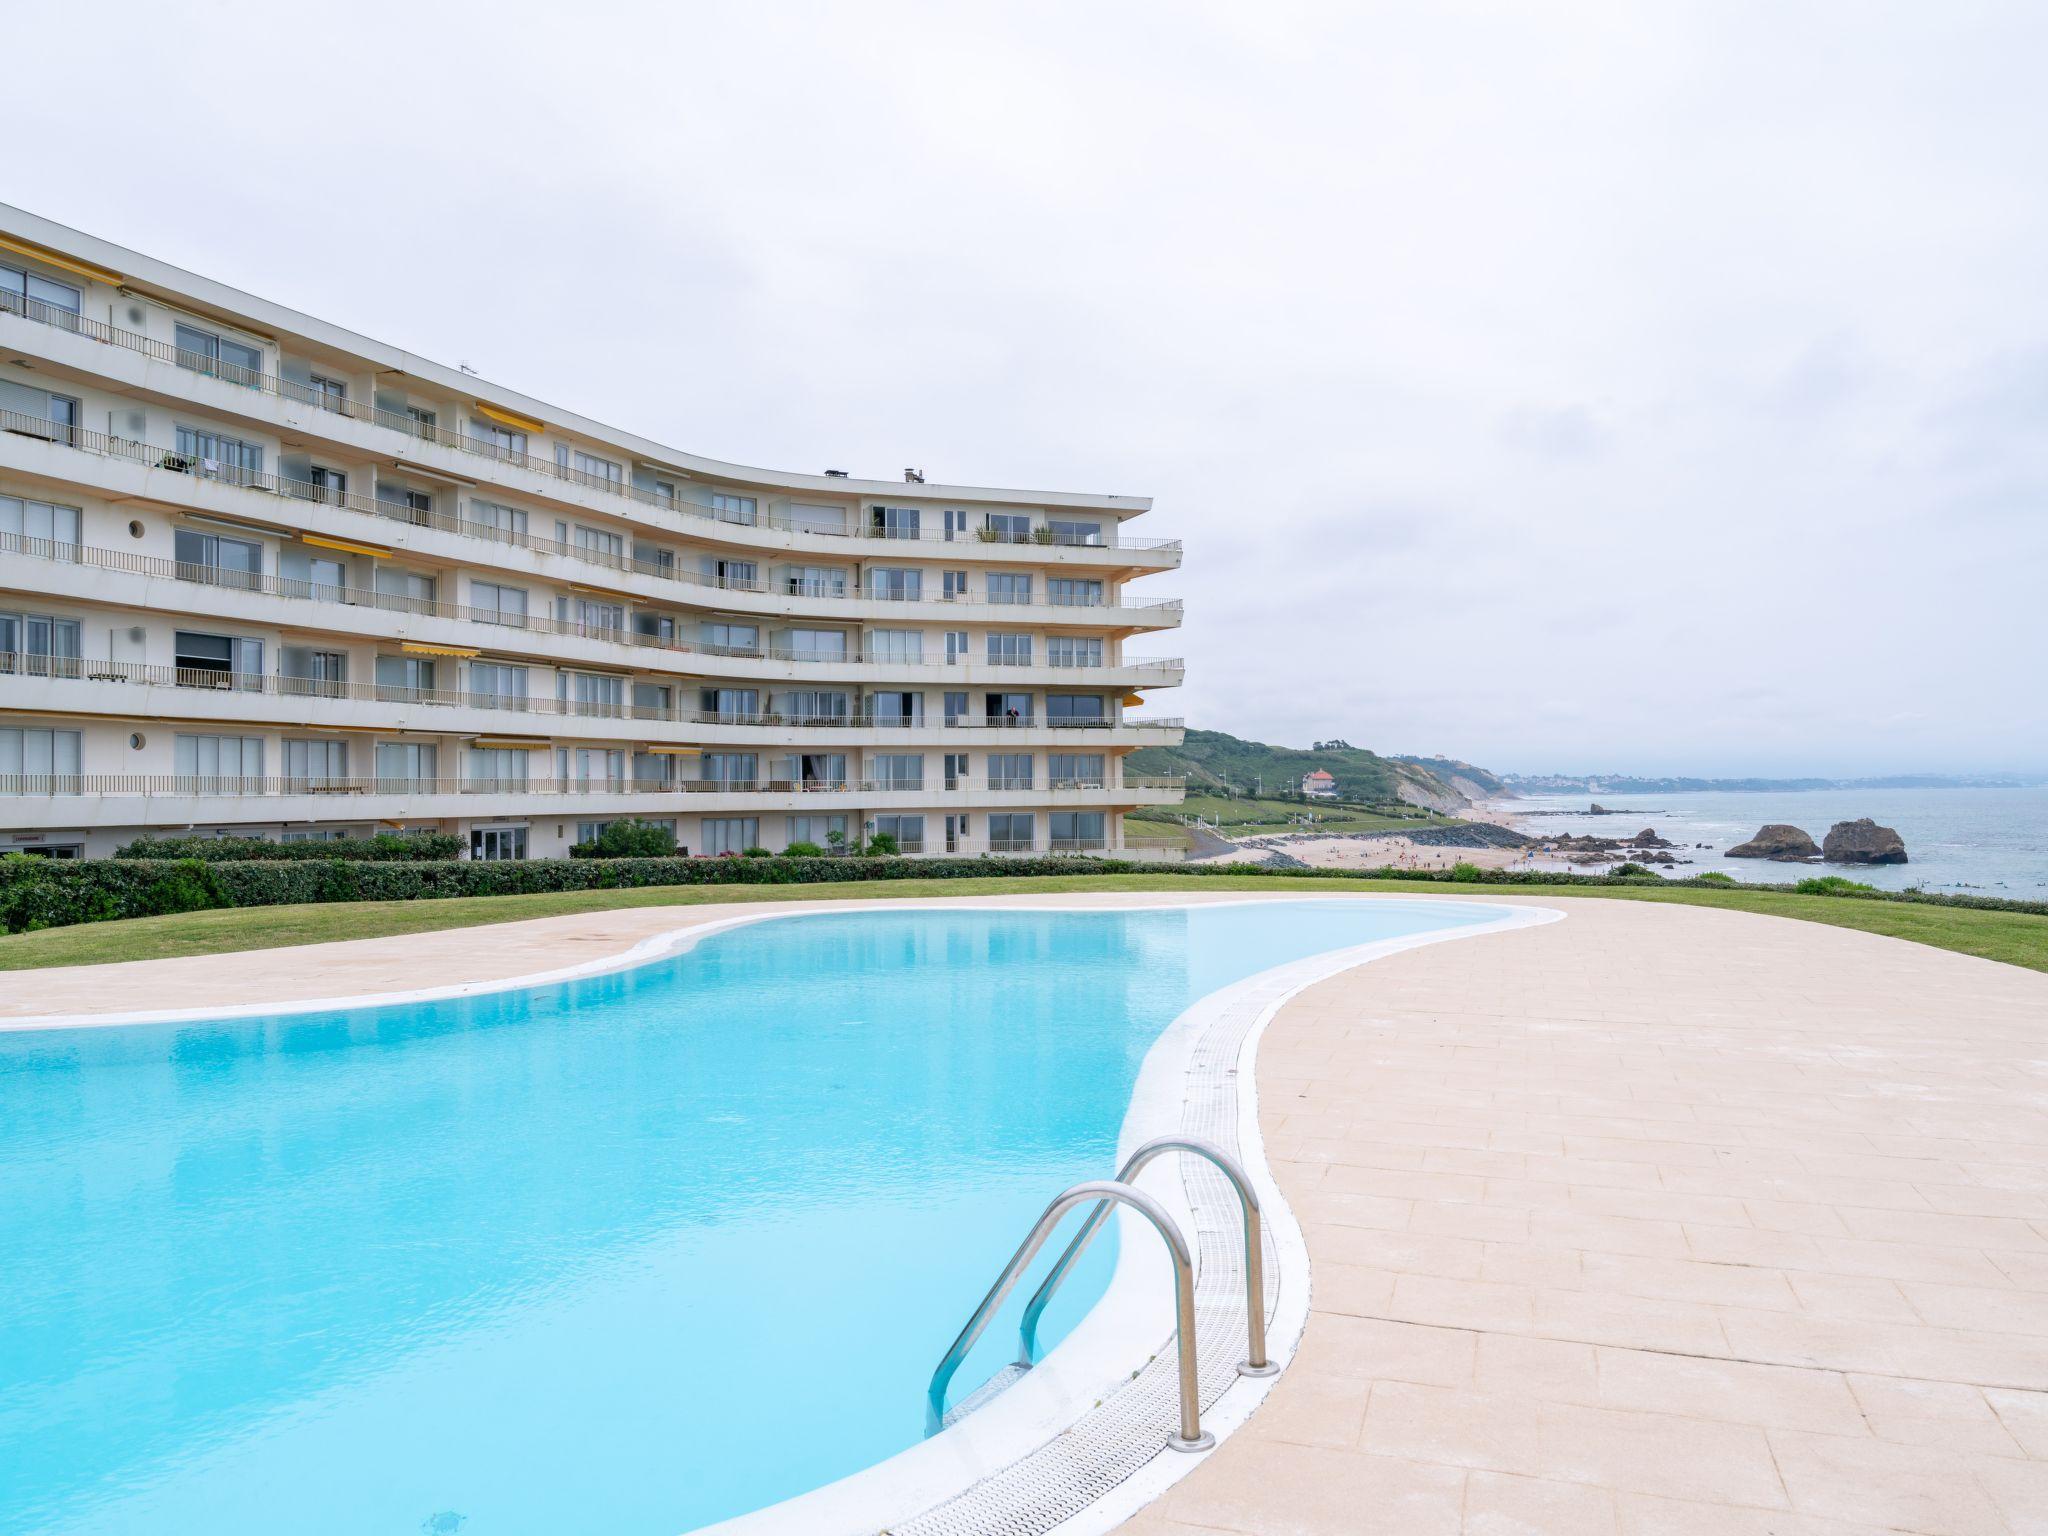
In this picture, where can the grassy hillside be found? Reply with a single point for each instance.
(1217, 761)
(1463, 775)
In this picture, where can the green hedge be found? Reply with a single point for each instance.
(384, 847)
(53, 893)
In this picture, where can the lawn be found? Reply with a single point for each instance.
(1248, 817)
(2016, 938)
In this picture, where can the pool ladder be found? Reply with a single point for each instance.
(1119, 1191)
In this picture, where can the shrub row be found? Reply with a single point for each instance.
(384, 847)
(46, 893)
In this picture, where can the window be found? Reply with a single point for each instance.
(316, 763)
(817, 644)
(1072, 592)
(1009, 770)
(494, 604)
(657, 628)
(601, 545)
(218, 456)
(498, 521)
(329, 485)
(957, 649)
(496, 843)
(404, 764)
(305, 671)
(405, 505)
(1064, 532)
(423, 421)
(657, 700)
(59, 412)
(893, 522)
(814, 706)
(39, 645)
(956, 523)
(955, 585)
(1009, 832)
(585, 766)
(899, 645)
(591, 831)
(893, 770)
(329, 394)
(37, 297)
(895, 707)
(34, 761)
(816, 829)
(957, 764)
(735, 509)
(1010, 527)
(1073, 651)
(406, 591)
(907, 830)
(1074, 709)
(205, 351)
(730, 639)
(404, 677)
(654, 560)
(315, 835)
(654, 770)
(498, 768)
(327, 578)
(1007, 709)
(956, 708)
(814, 581)
(43, 520)
(218, 757)
(216, 558)
(665, 491)
(588, 467)
(732, 834)
(501, 442)
(1074, 770)
(1009, 650)
(591, 693)
(606, 621)
(956, 829)
(744, 574)
(216, 661)
(737, 770)
(817, 770)
(1073, 831)
(732, 705)
(1009, 587)
(496, 685)
(896, 586)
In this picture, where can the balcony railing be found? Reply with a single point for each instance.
(210, 786)
(412, 427)
(536, 623)
(103, 445)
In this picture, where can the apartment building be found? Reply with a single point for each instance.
(261, 576)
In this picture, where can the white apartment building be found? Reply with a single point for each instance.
(261, 576)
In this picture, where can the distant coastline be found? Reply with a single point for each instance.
(1624, 784)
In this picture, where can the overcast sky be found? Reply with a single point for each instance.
(1631, 386)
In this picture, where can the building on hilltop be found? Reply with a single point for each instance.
(1319, 785)
(262, 576)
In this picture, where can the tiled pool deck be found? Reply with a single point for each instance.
(1659, 1221)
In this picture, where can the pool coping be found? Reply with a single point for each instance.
(1011, 1465)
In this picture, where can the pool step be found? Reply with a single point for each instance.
(995, 1386)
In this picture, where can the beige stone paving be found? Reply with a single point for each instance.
(1659, 1221)
(1656, 1222)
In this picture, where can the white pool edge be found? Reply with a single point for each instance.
(1128, 1332)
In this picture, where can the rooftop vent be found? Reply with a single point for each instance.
(835, 474)
(913, 477)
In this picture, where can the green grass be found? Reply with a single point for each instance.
(1248, 817)
(2017, 938)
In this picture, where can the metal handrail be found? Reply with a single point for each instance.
(409, 426)
(1106, 1192)
(1255, 1362)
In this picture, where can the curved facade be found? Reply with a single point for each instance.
(261, 576)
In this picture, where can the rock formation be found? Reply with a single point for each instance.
(1862, 841)
(1787, 845)
(1648, 838)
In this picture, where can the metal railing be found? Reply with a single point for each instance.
(1190, 1436)
(412, 427)
(536, 623)
(150, 785)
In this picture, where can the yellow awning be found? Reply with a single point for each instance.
(344, 546)
(510, 741)
(50, 258)
(675, 751)
(417, 648)
(1134, 698)
(510, 419)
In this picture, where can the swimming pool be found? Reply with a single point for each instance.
(634, 1252)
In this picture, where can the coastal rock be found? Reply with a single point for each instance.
(1862, 841)
(1598, 809)
(1787, 845)
(1648, 838)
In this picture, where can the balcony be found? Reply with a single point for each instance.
(409, 427)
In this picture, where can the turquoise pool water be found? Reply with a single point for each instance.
(628, 1254)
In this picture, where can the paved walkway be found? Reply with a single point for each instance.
(1659, 1221)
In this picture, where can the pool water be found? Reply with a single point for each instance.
(631, 1253)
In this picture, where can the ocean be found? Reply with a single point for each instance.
(1986, 842)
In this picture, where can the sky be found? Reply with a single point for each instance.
(1652, 387)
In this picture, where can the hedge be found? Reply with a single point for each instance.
(53, 893)
(384, 847)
